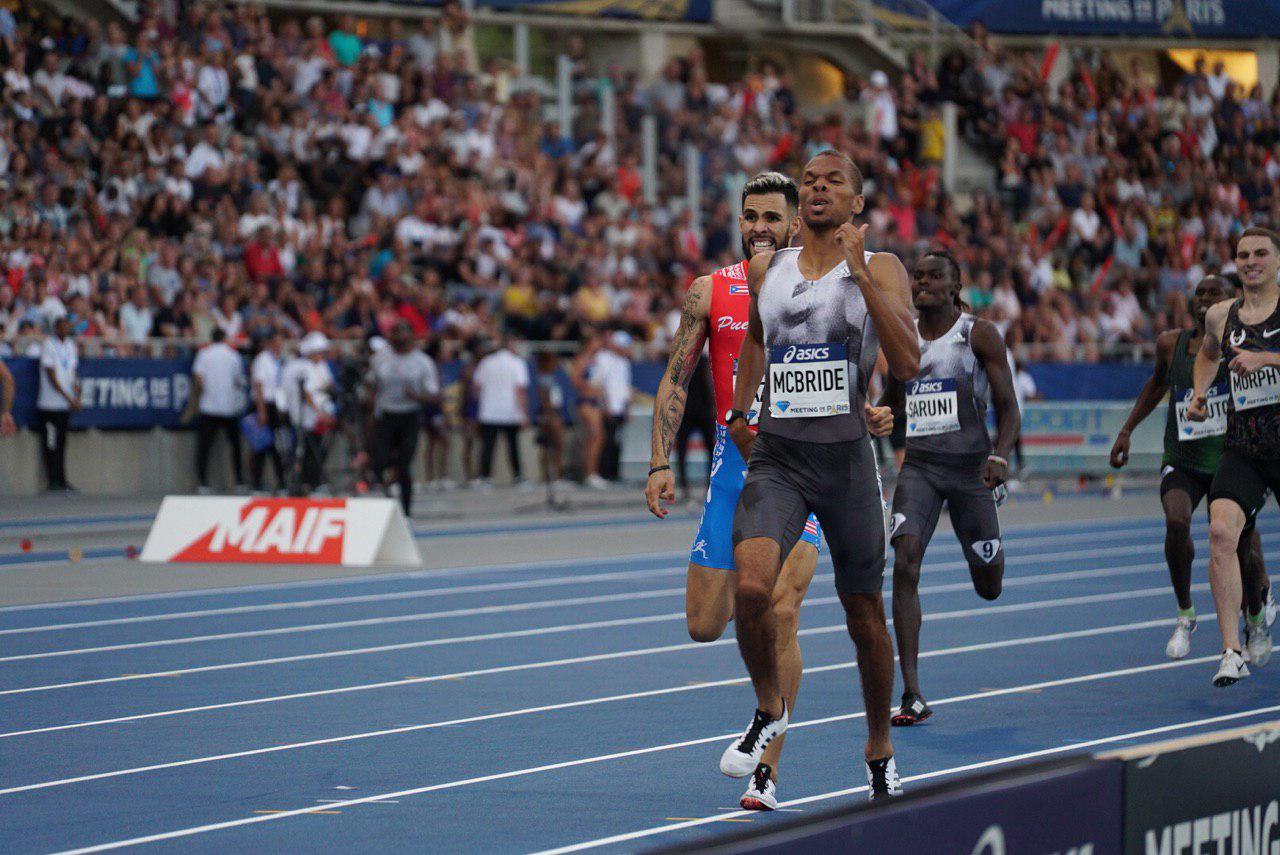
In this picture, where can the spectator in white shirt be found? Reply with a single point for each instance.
(613, 373)
(217, 393)
(306, 388)
(264, 379)
(404, 381)
(59, 397)
(207, 154)
(137, 317)
(501, 382)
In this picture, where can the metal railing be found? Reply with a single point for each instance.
(905, 24)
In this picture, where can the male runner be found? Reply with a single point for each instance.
(821, 311)
(715, 308)
(949, 457)
(1191, 452)
(1243, 332)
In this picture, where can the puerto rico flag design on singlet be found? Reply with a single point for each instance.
(727, 326)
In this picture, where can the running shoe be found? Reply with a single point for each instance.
(743, 754)
(913, 711)
(1231, 669)
(1269, 608)
(762, 792)
(882, 780)
(1257, 643)
(1180, 642)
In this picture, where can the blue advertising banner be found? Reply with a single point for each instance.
(1202, 18)
(116, 393)
(1065, 806)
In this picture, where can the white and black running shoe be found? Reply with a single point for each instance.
(1257, 643)
(882, 780)
(912, 711)
(1231, 669)
(1180, 642)
(762, 792)
(743, 754)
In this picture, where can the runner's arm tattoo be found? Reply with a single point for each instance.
(673, 390)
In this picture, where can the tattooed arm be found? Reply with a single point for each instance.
(673, 391)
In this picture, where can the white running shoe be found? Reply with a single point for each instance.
(1180, 642)
(743, 754)
(595, 482)
(882, 780)
(762, 792)
(1257, 643)
(1270, 609)
(1231, 669)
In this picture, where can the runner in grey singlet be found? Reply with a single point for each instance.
(821, 348)
(948, 454)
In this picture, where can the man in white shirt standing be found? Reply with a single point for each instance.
(306, 387)
(613, 372)
(217, 378)
(59, 397)
(404, 380)
(501, 382)
(264, 378)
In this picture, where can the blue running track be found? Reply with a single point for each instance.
(556, 706)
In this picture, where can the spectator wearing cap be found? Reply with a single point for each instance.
(501, 382)
(404, 380)
(217, 395)
(306, 390)
(264, 379)
(58, 398)
(613, 372)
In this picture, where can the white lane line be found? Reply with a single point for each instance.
(508, 634)
(508, 608)
(820, 669)
(1093, 527)
(551, 767)
(954, 770)
(579, 660)
(480, 588)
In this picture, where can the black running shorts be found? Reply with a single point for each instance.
(839, 483)
(1195, 484)
(923, 485)
(1245, 480)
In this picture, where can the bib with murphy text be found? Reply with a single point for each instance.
(808, 381)
(1259, 389)
(1216, 422)
(933, 407)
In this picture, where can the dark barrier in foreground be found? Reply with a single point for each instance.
(1058, 806)
(1211, 793)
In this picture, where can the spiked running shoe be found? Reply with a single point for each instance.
(1231, 669)
(1180, 642)
(762, 792)
(913, 711)
(743, 754)
(882, 780)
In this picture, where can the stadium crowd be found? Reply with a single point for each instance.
(225, 170)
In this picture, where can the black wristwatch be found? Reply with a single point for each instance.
(733, 416)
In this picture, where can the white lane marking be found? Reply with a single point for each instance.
(551, 767)
(578, 660)
(653, 593)
(1094, 528)
(507, 634)
(954, 770)
(820, 669)
(483, 588)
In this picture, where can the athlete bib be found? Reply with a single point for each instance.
(808, 380)
(933, 407)
(1259, 389)
(753, 415)
(1215, 424)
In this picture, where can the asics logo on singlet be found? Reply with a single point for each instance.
(806, 354)
(726, 322)
(1237, 338)
(924, 387)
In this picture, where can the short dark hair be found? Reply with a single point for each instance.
(855, 174)
(1231, 280)
(764, 183)
(1259, 231)
(218, 334)
(955, 271)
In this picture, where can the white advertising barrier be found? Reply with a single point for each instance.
(242, 530)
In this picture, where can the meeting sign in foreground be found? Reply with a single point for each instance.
(242, 530)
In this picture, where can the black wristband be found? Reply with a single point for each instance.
(659, 469)
(733, 415)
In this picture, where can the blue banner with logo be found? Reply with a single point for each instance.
(1165, 18)
(115, 393)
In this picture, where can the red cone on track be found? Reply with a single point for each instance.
(25, 544)
(131, 552)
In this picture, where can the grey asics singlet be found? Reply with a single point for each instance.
(821, 348)
(946, 412)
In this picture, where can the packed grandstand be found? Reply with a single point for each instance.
(227, 168)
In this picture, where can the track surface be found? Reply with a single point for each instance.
(530, 707)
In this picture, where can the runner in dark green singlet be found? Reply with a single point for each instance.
(1191, 453)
